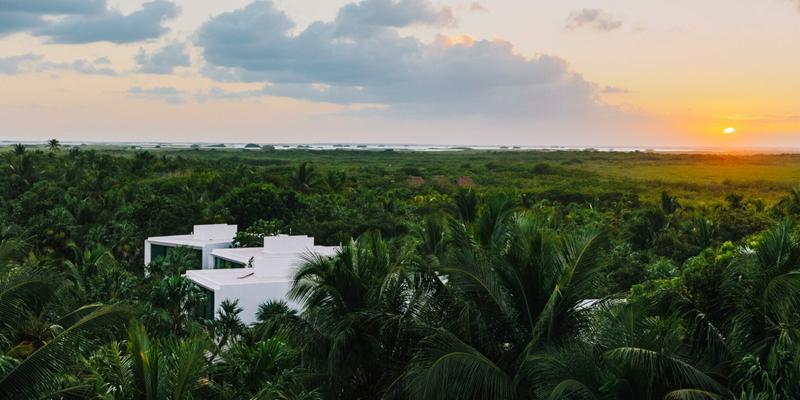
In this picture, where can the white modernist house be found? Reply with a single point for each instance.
(204, 239)
(253, 275)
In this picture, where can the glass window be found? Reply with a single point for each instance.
(206, 311)
(190, 258)
(209, 306)
(196, 257)
(221, 263)
(158, 251)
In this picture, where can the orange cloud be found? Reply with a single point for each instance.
(449, 41)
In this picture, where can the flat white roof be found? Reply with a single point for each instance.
(215, 278)
(243, 255)
(201, 236)
(185, 240)
(240, 255)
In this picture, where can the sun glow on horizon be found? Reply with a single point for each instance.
(729, 130)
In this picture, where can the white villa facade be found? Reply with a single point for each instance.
(204, 238)
(251, 275)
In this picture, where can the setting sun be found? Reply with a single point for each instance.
(729, 131)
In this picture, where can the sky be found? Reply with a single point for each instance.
(539, 72)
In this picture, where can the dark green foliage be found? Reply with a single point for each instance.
(467, 205)
(304, 177)
(551, 277)
(624, 267)
(542, 169)
(669, 204)
(254, 235)
(253, 202)
(54, 145)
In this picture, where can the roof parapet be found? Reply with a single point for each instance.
(283, 244)
(214, 232)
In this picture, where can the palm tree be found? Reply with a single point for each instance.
(764, 289)
(40, 342)
(54, 145)
(746, 344)
(19, 149)
(651, 355)
(467, 204)
(171, 299)
(791, 203)
(264, 369)
(356, 317)
(23, 169)
(704, 229)
(335, 179)
(227, 325)
(94, 274)
(669, 204)
(303, 177)
(515, 288)
(143, 368)
(40, 373)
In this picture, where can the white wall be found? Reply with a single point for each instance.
(251, 296)
(147, 253)
(208, 258)
(214, 232)
(280, 265)
(288, 243)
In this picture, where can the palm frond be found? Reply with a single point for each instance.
(478, 281)
(668, 370)
(579, 267)
(572, 368)
(571, 389)
(691, 394)
(40, 371)
(782, 297)
(25, 290)
(146, 359)
(491, 224)
(447, 368)
(11, 250)
(186, 364)
(777, 246)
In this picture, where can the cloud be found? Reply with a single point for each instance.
(168, 94)
(218, 93)
(593, 18)
(112, 26)
(84, 21)
(477, 7)
(15, 64)
(25, 15)
(59, 7)
(615, 90)
(14, 21)
(36, 63)
(393, 13)
(163, 60)
(85, 67)
(327, 62)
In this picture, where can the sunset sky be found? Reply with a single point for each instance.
(543, 72)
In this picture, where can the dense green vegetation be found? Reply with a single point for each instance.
(469, 275)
